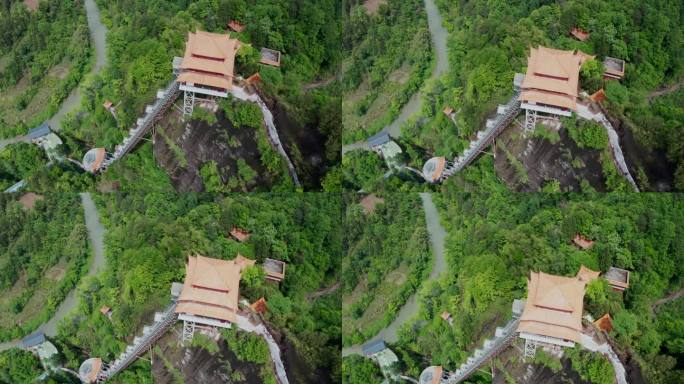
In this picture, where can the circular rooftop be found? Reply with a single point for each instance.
(89, 370)
(92, 161)
(431, 375)
(433, 168)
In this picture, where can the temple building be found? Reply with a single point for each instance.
(207, 66)
(552, 316)
(551, 83)
(209, 297)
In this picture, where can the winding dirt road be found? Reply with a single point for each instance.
(410, 309)
(439, 36)
(96, 236)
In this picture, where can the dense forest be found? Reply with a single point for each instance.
(43, 253)
(495, 240)
(489, 42)
(387, 257)
(148, 240)
(387, 58)
(142, 39)
(44, 54)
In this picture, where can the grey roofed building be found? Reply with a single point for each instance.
(39, 131)
(373, 347)
(378, 139)
(33, 340)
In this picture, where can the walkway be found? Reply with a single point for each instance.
(410, 309)
(96, 237)
(13, 140)
(439, 40)
(605, 349)
(584, 112)
(505, 114)
(671, 297)
(273, 348)
(666, 91)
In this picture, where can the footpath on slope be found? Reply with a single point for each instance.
(584, 112)
(439, 37)
(410, 309)
(96, 237)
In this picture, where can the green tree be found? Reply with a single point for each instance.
(591, 75)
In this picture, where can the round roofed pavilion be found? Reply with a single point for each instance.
(433, 168)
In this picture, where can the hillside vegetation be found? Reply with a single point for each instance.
(43, 56)
(148, 240)
(387, 258)
(495, 240)
(43, 253)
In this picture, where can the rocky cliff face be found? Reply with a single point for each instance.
(543, 161)
(181, 148)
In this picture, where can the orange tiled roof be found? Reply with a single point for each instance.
(236, 26)
(598, 96)
(437, 377)
(209, 59)
(579, 34)
(211, 287)
(585, 274)
(552, 77)
(239, 234)
(605, 323)
(554, 306)
(582, 241)
(259, 306)
(441, 163)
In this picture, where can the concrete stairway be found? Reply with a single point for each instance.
(142, 343)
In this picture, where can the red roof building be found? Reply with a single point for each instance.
(553, 310)
(236, 26)
(582, 242)
(579, 34)
(211, 290)
(239, 234)
(598, 96)
(605, 323)
(551, 82)
(208, 63)
(259, 306)
(254, 79)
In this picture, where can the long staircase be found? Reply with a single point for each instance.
(505, 114)
(141, 344)
(493, 127)
(153, 113)
(491, 347)
(503, 337)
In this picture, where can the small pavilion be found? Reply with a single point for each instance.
(551, 83)
(552, 316)
(582, 242)
(207, 67)
(617, 278)
(274, 269)
(210, 293)
(239, 234)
